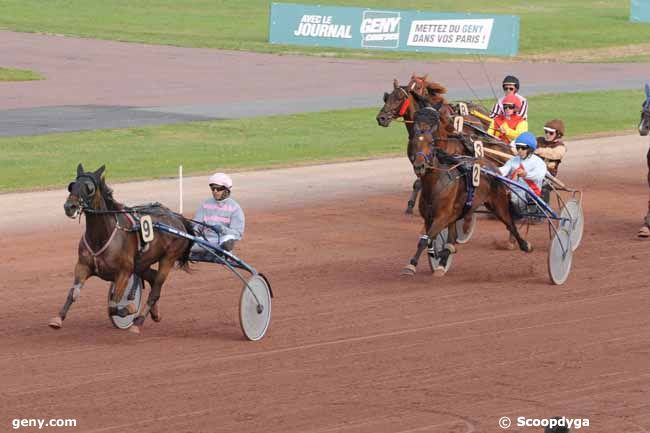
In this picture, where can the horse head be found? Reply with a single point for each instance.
(85, 192)
(644, 124)
(426, 129)
(395, 106)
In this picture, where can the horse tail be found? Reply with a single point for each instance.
(184, 260)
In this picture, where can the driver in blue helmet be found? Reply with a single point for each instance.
(525, 168)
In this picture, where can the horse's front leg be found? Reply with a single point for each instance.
(410, 269)
(164, 267)
(417, 186)
(449, 248)
(81, 273)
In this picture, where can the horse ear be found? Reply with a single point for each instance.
(80, 169)
(99, 171)
(395, 83)
(647, 90)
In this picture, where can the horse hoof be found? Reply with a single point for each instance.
(134, 329)
(408, 211)
(528, 247)
(55, 323)
(644, 232)
(439, 271)
(408, 270)
(451, 248)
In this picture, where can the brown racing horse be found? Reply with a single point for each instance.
(110, 246)
(644, 128)
(447, 190)
(401, 103)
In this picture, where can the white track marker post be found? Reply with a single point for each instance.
(180, 189)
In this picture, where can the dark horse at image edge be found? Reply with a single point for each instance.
(644, 128)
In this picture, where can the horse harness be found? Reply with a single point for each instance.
(460, 167)
(133, 217)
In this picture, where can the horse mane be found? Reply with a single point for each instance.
(107, 194)
(440, 116)
(435, 90)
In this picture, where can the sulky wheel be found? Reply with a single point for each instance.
(462, 235)
(560, 255)
(255, 307)
(572, 210)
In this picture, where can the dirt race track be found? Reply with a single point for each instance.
(353, 347)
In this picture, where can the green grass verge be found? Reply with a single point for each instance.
(552, 26)
(19, 75)
(49, 161)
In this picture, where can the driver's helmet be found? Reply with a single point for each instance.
(513, 100)
(220, 179)
(526, 139)
(511, 79)
(555, 125)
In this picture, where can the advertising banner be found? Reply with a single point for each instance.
(346, 27)
(640, 11)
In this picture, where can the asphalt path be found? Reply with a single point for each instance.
(93, 84)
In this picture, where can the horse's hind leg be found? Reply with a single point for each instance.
(417, 186)
(120, 283)
(164, 267)
(150, 276)
(81, 274)
(503, 210)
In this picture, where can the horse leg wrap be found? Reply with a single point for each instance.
(422, 245)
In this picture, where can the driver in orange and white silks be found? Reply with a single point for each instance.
(221, 213)
(509, 125)
(525, 168)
